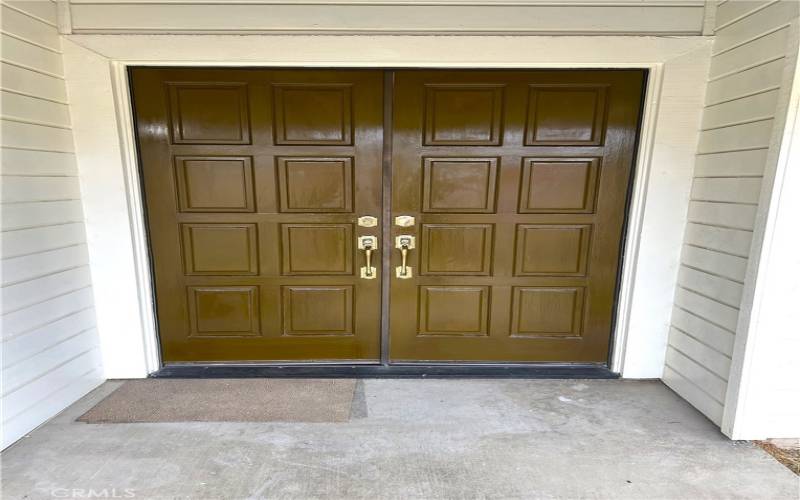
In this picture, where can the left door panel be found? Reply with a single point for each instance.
(254, 181)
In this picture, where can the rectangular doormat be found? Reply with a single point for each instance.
(226, 400)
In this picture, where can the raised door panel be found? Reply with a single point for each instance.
(317, 249)
(459, 185)
(223, 311)
(220, 249)
(558, 185)
(453, 310)
(318, 310)
(456, 249)
(315, 184)
(552, 250)
(214, 183)
(565, 115)
(546, 312)
(313, 114)
(462, 115)
(209, 113)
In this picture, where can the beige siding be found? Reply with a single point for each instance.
(393, 16)
(747, 71)
(49, 341)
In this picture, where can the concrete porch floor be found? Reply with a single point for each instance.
(414, 439)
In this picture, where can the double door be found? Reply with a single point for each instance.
(369, 215)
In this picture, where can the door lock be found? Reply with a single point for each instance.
(404, 221)
(367, 221)
(404, 243)
(368, 244)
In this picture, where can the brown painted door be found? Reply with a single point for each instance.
(254, 180)
(517, 182)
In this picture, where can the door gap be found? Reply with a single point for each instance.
(386, 212)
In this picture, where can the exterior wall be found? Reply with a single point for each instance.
(649, 17)
(50, 353)
(766, 401)
(747, 81)
(763, 397)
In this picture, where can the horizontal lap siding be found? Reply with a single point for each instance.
(195, 16)
(50, 347)
(744, 82)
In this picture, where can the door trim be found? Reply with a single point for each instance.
(133, 350)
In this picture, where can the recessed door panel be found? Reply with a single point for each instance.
(517, 184)
(254, 181)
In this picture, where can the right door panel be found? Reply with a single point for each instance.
(517, 181)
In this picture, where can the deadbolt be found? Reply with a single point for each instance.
(404, 220)
(367, 221)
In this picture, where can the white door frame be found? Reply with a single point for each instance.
(96, 73)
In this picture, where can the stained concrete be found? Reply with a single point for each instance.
(497, 439)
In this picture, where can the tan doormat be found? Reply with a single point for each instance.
(226, 400)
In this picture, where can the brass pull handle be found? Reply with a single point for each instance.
(404, 243)
(368, 244)
(368, 253)
(404, 265)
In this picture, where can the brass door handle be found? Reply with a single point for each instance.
(368, 244)
(404, 243)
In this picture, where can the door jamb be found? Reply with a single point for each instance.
(123, 103)
(634, 216)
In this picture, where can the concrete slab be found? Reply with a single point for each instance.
(426, 439)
